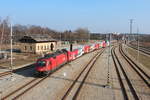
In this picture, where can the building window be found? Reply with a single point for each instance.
(38, 48)
(45, 47)
(41, 47)
(49, 46)
(30, 47)
(25, 47)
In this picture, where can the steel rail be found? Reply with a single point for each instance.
(39, 80)
(119, 77)
(86, 75)
(127, 78)
(132, 64)
(76, 79)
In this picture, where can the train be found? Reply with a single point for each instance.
(53, 61)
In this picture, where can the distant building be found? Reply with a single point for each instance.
(3, 54)
(37, 44)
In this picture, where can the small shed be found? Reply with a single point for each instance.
(37, 44)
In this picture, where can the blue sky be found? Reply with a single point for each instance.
(96, 15)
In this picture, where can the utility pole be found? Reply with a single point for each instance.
(11, 47)
(138, 44)
(60, 36)
(89, 37)
(128, 36)
(2, 36)
(131, 22)
(60, 39)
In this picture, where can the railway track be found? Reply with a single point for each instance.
(2, 74)
(5, 73)
(143, 75)
(25, 88)
(122, 84)
(125, 96)
(85, 71)
(142, 49)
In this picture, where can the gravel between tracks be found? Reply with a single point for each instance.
(52, 88)
(95, 87)
(141, 88)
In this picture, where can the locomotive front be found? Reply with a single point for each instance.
(41, 67)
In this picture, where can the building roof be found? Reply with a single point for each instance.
(35, 38)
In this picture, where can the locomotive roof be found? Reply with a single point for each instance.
(49, 55)
(54, 54)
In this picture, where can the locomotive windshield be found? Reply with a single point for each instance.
(41, 63)
(49, 55)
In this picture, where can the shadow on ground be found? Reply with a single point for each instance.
(27, 71)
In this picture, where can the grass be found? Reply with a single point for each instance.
(145, 60)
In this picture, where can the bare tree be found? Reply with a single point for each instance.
(82, 34)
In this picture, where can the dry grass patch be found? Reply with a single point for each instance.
(19, 59)
(145, 60)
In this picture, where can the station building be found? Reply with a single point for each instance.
(37, 44)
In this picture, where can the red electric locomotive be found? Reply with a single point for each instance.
(53, 61)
